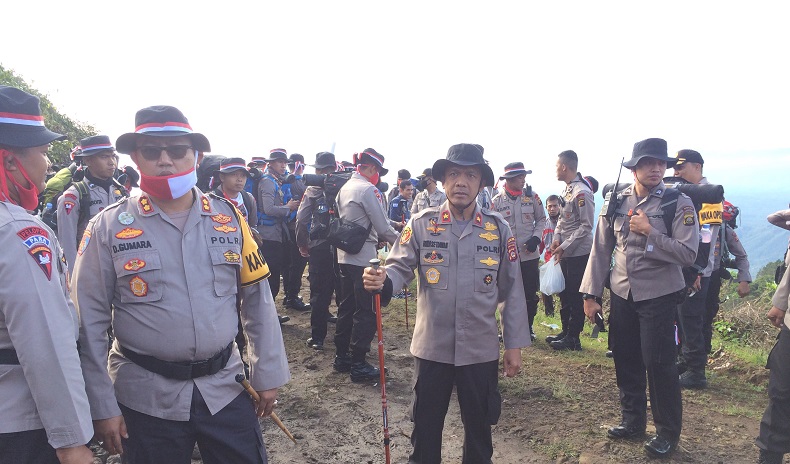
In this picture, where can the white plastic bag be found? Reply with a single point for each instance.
(551, 279)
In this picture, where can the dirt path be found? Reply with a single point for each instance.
(556, 411)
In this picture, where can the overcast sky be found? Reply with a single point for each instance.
(524, 79)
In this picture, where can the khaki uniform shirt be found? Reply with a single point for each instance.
(646, 266)
(39, 322)
(270, 202)
(781, 298)
(69, 231)
(360, 202)
(526, 217)
(425, 199)
(305, 214)
(171, 295)
(464, 274)
(574, 228)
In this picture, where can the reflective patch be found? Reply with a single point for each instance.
(489, 261)
(512, 250)
(86, 237)
(432, 275)
(221, 218)
(36, 239)
(129, 233)
(125, 218)
(433, 257)
(488, 279)
(68, 206)
(134, 264)
(405, 236)
(489, 236)
(225, 229)
(489, 226)
(138, 286)
(232, 257)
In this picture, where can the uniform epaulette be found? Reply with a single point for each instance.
(113, 205)
(423, 212)
(496, 215)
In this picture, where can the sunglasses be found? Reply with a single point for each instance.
(152, 153)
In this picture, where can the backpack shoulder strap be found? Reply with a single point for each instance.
(669, 206)
(248, 200)
(85, 200)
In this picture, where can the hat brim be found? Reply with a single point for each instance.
(510, 175)
(630, 164)
(322, 166)
(440, 165)
(127, 143)
(27, 137)
(235, 168)
(87, 153)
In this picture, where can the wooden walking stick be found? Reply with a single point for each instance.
(382, 379)
(406, 289)
(246, 384)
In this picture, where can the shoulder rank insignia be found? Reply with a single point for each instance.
(232, 257)
(512, 252)
(128, 233)
(433, 257)
(489, 226)
(489, 261)
(37, 242)
(221, 218)
(446, 217)
(146, 205)
(405, 236)
(225, 229)
(434, 228)
(134, 264)
(138, 286)
(204, 204)
(489, 236)
(432, 275)
(479, 219)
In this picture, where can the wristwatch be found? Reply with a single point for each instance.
(587, 296)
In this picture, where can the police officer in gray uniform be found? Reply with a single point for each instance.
(430, 196)
(522, 209)
(467, 263)
(165, 269)
(360, 202)
(646, 281)
(571, 247)
(98, 156)
(44, 412)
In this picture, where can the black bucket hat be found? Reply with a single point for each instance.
(92, 145)
(277, 154)
(21, 123)
(371, 156)
(652, 148)
(161, 121)
(324, 159)
(464, 154)
(514, 169)
(233, 164)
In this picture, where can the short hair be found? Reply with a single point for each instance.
(569, 158)
(553, 198)
(403, 174)
(404, 183)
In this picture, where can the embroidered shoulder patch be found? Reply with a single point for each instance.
(580, 200)
(36, 239)
(86, 237)
(512, 250)
(405, 236)
(68, 205)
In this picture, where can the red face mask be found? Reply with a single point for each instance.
(28, 197)
(168, 187)
(374, 179)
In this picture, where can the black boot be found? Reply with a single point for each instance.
(317, 345)
(558, 337)
(297, 304)
(342, 363)
(332, 318)
(361, 371)
(283, 319)
(625, 430)
(770, 457)
(693, 378)
(569, 343)
(660, 447)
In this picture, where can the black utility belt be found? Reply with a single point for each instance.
(8, 356)
(180, 370)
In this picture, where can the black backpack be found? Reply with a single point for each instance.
(207, 171)
(50, 213)
(326, 208)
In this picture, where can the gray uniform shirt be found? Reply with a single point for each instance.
(304, 216)
(464, 275)
(425, 199)
(39, 322)
(526, 217)
(574, 228)
(735, 247)
(270, 202)
(646, 266)
(360, 202)
(172, 295)
(781, 298)
(69, 229)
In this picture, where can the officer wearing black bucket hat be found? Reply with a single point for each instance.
(646, 282)
(467, 262)
(44, 415)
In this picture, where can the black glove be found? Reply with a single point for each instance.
(532, 244)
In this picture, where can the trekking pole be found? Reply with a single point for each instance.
(406, 290)
(377, 308)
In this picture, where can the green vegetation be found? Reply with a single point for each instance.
(57, 122)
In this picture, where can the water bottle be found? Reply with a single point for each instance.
(704, 234)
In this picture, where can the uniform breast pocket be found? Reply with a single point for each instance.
(486, 269)
(225, 261)
(139, 277)
(434, 267)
